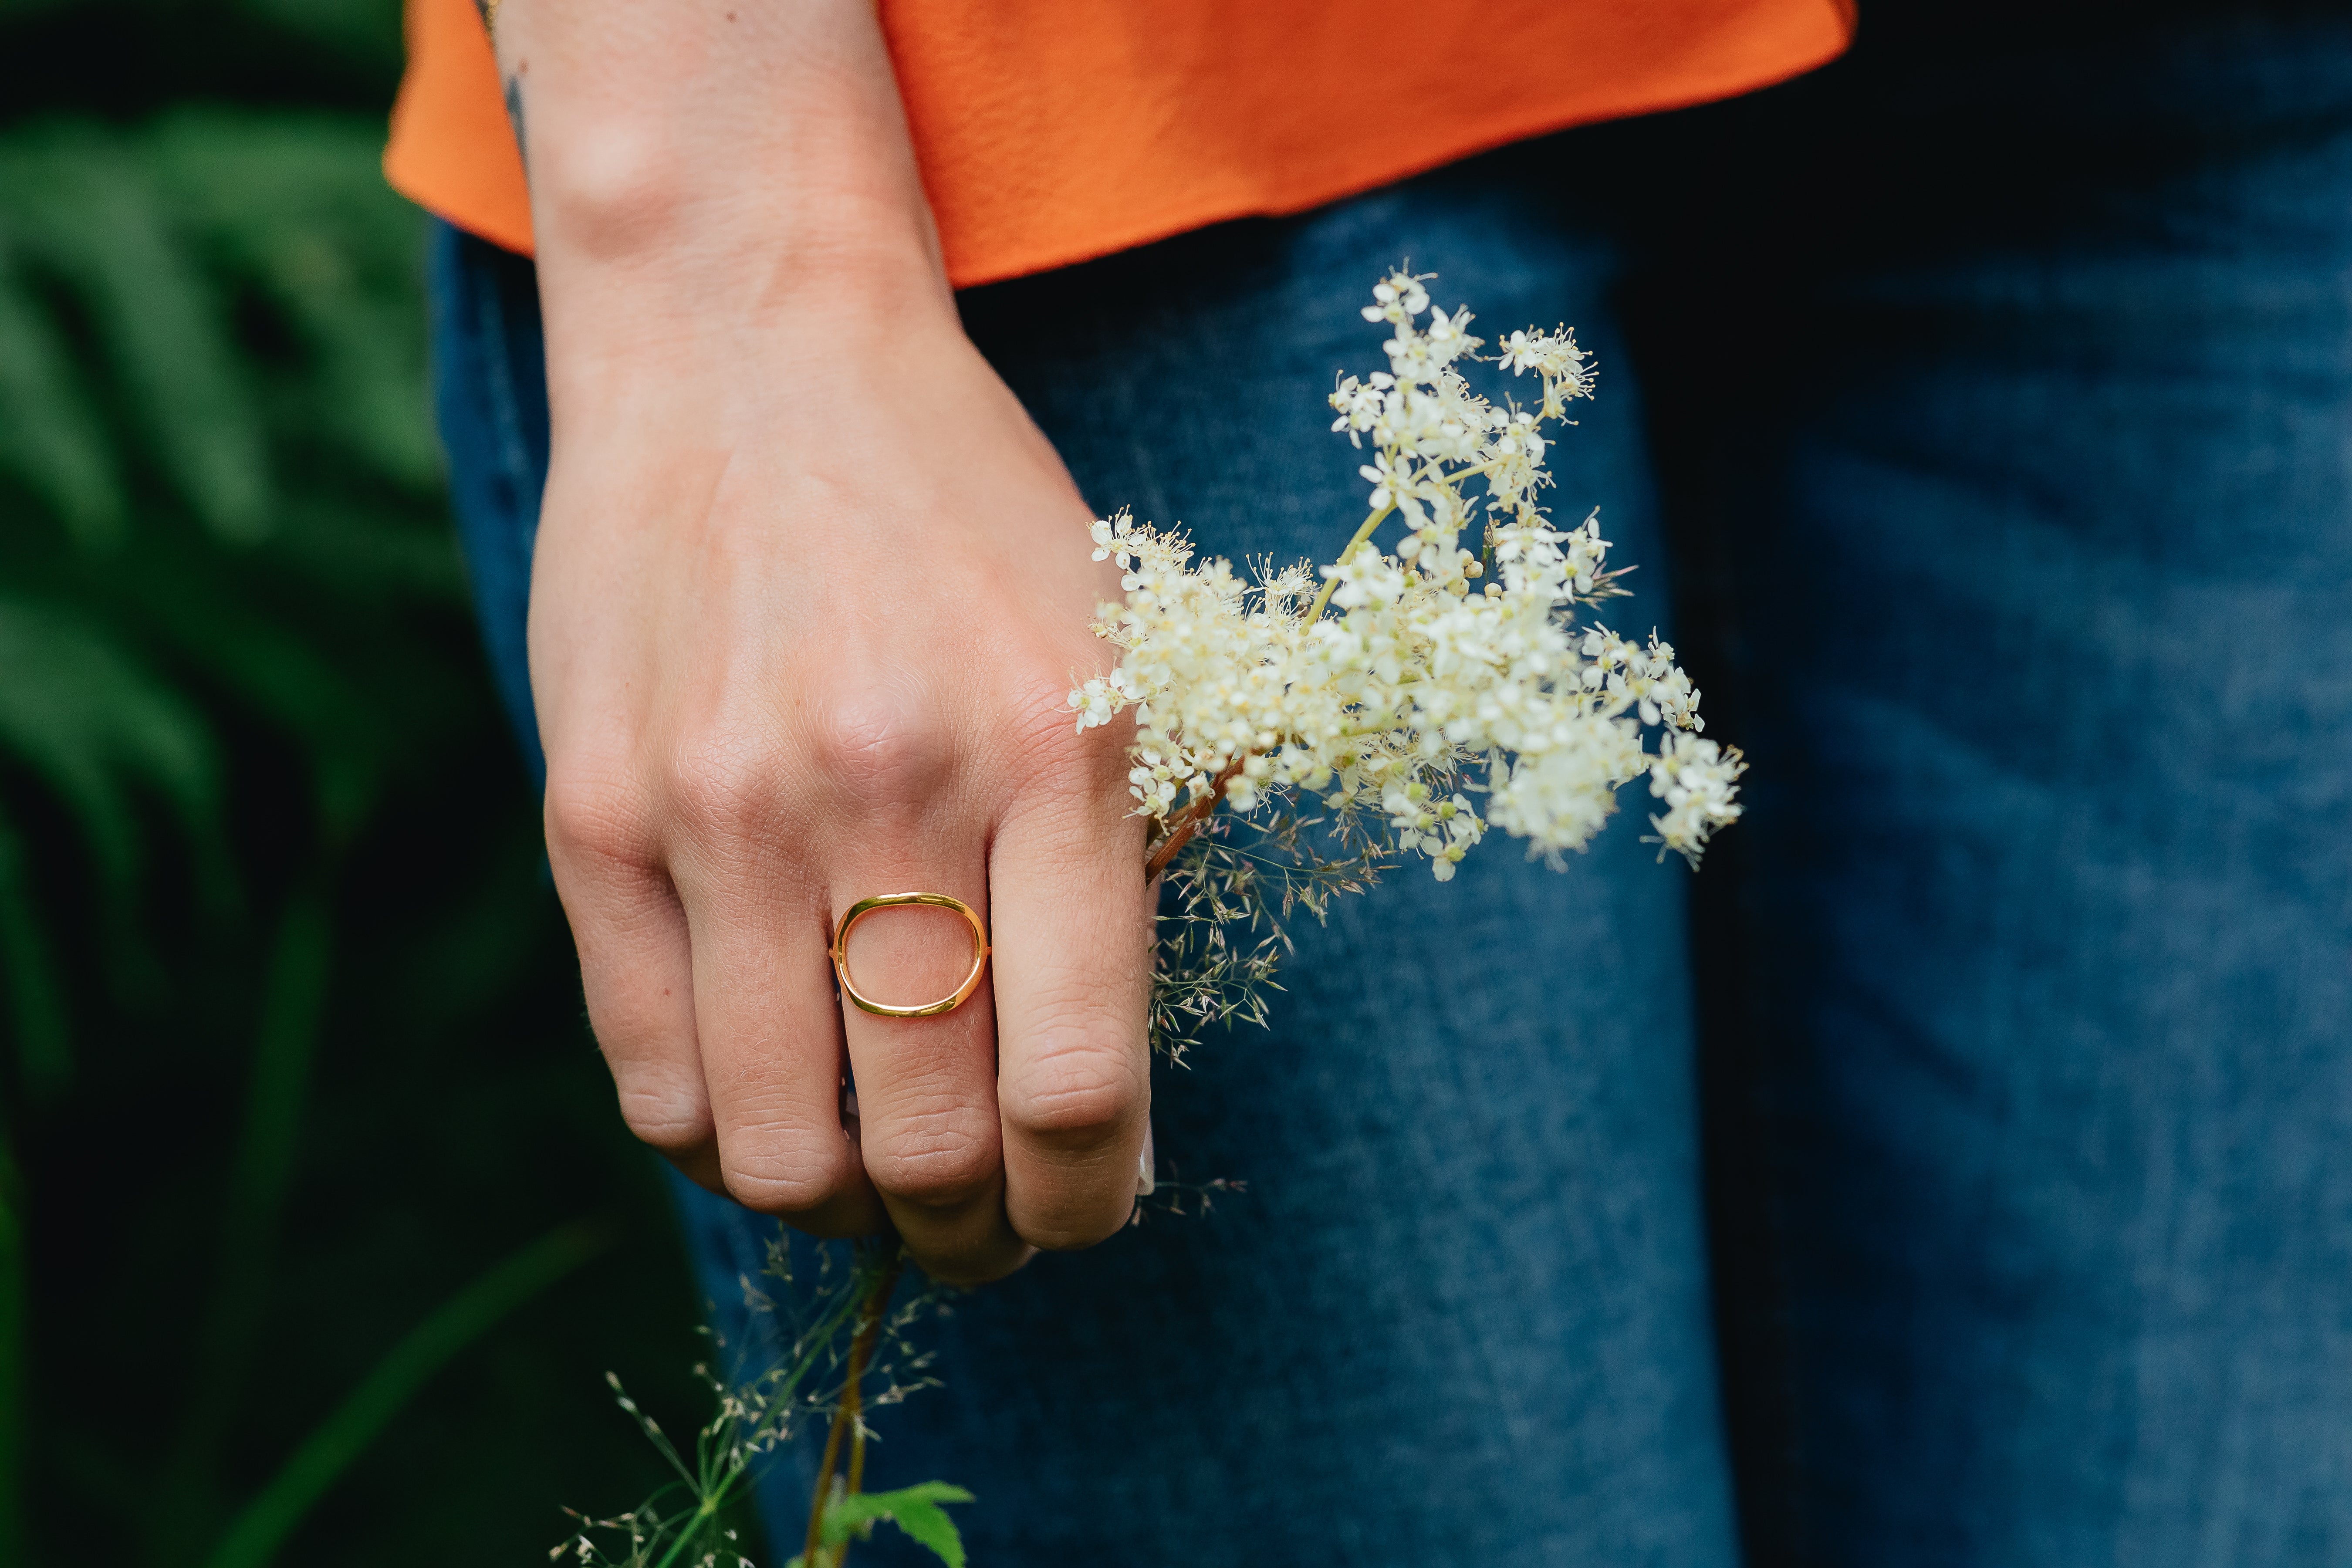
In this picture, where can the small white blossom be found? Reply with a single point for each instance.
(1382, 682)
(1694, 778)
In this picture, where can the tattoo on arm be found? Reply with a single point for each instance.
(489, 10)
(514, 113)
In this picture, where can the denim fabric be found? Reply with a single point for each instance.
(1982, 406)
(489, 397)
(2033, 560)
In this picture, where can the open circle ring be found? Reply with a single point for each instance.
(864, 907)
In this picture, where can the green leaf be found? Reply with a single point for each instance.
(84, 714)
(262, 1527)
(51, 440)
(915, 1509)
(256, 195)
(287, 679)
(93, 220)
(293, 1001)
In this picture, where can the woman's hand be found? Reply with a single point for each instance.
(809, 593)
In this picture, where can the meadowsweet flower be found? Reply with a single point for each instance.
(1389, 684)
(1694, 778)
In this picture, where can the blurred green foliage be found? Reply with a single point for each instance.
(317, 1229)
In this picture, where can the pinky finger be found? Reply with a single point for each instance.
(637, 971)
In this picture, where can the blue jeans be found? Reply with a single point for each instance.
(1957, 1171)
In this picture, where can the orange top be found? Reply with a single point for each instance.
(1052, 131)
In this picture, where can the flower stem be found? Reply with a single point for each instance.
(1188, 821)
(1323, 599)
(870, 1313)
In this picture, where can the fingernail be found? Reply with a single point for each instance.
(1144, 1167)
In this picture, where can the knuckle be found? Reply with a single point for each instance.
(722, 786)
(593, 813)
(659, 1115)
(937, 1162)
(1036, 715)
(786, 1174)
(1037, 731)
(1037, 708)
(877, 744)
(1075, 1090)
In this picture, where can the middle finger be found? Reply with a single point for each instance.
(929, 1128)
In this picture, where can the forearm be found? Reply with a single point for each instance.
(705, 173)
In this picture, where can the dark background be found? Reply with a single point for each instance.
(314, 1212)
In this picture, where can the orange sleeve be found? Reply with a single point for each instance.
(1049, 131)
(1052, 131)
(452, 151)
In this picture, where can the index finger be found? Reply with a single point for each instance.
(1071, 926)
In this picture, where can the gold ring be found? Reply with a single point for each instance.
(864, 907)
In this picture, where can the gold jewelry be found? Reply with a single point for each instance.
(864, 907)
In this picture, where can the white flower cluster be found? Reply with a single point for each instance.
(1441, 663)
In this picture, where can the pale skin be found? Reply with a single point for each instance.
(809, 593)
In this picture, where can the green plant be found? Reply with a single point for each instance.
(837, 1330)
(238, 688)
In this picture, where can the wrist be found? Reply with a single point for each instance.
(638, 198)
(645, 370)
(655, 274)
(711, 152)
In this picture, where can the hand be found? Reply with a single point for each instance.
(809, 594)
(798, 639)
